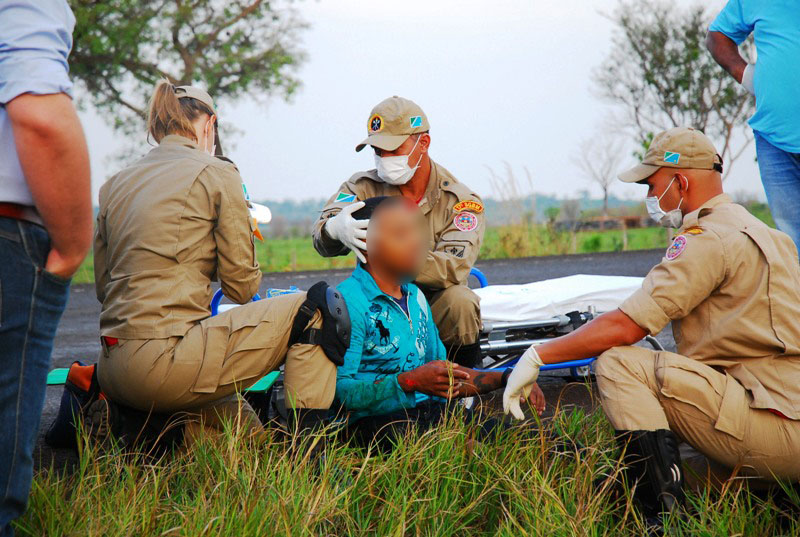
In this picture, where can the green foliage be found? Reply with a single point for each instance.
(500, 242)
(661, 75)
(440, 483)
(592, 243)
(232, 48)
(552, 214)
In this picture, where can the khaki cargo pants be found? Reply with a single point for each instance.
(642, 389)
(457, 314)
(203, 371)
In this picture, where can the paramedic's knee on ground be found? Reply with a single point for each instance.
(642, 389)
(456, 312)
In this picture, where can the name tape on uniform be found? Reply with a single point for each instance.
(468, 205)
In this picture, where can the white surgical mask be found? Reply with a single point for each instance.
(395, 170)
(673, 218)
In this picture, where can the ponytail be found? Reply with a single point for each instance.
(168, 114)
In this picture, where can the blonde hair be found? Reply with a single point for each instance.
(168, 114)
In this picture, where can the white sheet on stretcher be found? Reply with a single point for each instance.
(549, 298)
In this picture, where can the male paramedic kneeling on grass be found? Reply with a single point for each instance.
(168, 225)
(395, 376)
(731, 287)
(398, 132)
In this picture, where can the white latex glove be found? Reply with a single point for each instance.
(747, 78)
(349, 231)
(520, 382)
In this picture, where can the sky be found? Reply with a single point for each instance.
(501, 81)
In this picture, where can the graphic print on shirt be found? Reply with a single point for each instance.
(380, 342)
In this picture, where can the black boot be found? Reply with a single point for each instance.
(653, 465)
(466, 355)
(308, 423)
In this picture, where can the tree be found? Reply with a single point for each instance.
(599, 160)
(661, 75)
(231, 47)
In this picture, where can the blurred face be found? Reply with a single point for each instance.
(396, 241)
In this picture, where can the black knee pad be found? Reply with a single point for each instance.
(334, 336)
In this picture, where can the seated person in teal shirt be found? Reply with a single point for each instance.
(395, 370)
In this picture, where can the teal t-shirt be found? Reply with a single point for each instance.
(385, 341)
(775, 25)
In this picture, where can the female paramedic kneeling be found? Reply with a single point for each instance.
(167, 226)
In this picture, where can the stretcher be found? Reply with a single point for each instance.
(514, 317)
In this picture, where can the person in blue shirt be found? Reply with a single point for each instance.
(774, 80)
(395, 374)
(45, 223)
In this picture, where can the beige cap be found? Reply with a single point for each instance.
(196, 93)
(680, 147)
(392, 121)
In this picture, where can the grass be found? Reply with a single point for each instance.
(293, 254)
(436, 484)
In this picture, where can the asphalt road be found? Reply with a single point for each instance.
(78, 337)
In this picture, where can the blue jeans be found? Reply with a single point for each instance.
(31, 303)
(780, 173)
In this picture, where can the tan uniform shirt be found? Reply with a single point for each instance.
(731, 287)
(455, 233)
(168, 225)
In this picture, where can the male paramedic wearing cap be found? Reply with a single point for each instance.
(398, 132)
(731, 287)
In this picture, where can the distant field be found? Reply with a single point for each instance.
(286, 255)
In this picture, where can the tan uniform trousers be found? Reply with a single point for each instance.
(218, 357)
(457, 314)
(641, 389)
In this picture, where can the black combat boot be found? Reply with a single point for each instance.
(308, 425)
(653, 466)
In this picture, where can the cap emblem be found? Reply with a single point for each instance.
(375, 123)
(345, 197)
(671, 157)
(415, 121)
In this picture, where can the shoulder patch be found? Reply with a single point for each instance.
(676, 248)
(466, 221)
(468, 205)
(344, 197)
